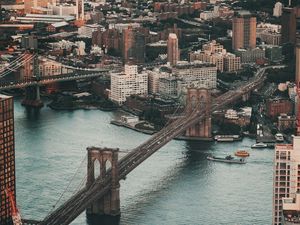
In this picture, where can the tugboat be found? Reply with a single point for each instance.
(279, 137)
(259, 145)
(227, 159)
(242, 153)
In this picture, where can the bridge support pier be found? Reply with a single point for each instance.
(246, 97)
(201, 130)
(32, 97)
(110, 203)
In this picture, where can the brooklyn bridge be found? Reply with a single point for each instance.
(101, 194)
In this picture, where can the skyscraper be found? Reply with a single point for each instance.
(297, 75)
(133, 46)
(243, 30)
(80, 9)
(173, 51)
(277, 10)
(289, 24)
(286, 179)
(7, 157)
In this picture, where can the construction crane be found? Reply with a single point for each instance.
(16, 217)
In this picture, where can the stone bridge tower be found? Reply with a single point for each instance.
(199, 98)
(110, 203)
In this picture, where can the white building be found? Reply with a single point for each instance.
(63, 44)
(286, 179)
(215, 53)
(269, 33)
(65, 9)
(121, 26)
(207, 15)
(204, 73)
(88, 29)
(153, 80)
(127, 83)
(48, 67)
(80, 47)
(277, 10)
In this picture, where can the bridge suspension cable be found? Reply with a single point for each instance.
(17, 65)
(16, 60)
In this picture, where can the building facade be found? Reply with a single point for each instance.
(168, 86)
(127, 83)
(275, 107)
(7, 157)
(173, 51)
(133, 46)
(243, 30)
(204, 73)
(153, 80)
(277, 10)
(250, 55)
(289, 24)
(215, 53)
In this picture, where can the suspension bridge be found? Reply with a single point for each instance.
(100, 195)
(32, 84)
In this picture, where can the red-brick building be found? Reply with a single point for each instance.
(275, 107)
(7, 157)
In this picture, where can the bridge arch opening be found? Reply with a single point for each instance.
(107, 165)
(97, 169)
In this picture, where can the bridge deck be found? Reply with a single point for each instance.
(5, 85)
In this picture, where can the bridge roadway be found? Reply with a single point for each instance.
(68, 211)
(5, 85)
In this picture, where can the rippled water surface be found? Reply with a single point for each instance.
(177, 185)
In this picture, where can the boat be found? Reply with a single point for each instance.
(279, 137)
(242, 153)
(259, 145)
(227, 138)
(227, 159)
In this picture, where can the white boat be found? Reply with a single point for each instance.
(279, 137)
(227, 138)
(259, 145)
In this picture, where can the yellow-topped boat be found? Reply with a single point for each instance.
(242, 153)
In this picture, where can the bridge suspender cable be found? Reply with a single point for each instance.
(16, 66)
(17, 60)
(69, 183)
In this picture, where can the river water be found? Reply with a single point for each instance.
(177, 185)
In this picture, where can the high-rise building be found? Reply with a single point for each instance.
(7, 157)
(133, 46)
(80, 9)
(277, 10)
(297, 79)
(173, 51)
(127, 83)
(289, 24)
(243, 30)
(286, 179)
